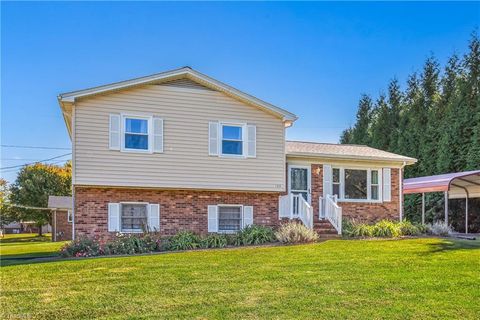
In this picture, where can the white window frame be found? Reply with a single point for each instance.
(233, 124)
(69, 216)
(149, 118)
(218, 218)
(369, 170)
(147, 205)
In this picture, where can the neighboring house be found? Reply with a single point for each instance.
(179, 150)
(62, 217)
(12, 227)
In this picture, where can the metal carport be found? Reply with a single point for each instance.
(456, 185)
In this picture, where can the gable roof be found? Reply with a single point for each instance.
(60, 202)
(343, 151)
(186, 72)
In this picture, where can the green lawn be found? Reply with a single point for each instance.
(337, 279)
(26, 245)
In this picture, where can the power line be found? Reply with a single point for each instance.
(26, 164)
(32, 147)
(16, 169)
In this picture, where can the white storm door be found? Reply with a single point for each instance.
(299, 181)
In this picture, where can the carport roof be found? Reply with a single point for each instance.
(456, 183)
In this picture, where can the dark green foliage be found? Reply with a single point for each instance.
(254, 234)
(214, 241)
(436, 119)
(184, 240)
(131, 244)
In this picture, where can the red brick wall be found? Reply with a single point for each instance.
(179, 209)
(61, 226)
(368, 212)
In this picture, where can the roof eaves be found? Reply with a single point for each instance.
(351, 157)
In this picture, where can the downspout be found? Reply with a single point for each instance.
(400, 187)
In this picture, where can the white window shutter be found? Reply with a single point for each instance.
(251, 141)
(387, 184)
(113, 217)
(154, 217)
(247, 216)
(114, 132)
(213, 143)
(157, 135)
(212, 219)
(327, 180)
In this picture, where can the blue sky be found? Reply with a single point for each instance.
(313, 59)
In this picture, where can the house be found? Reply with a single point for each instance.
(62, 217)
(179, 150)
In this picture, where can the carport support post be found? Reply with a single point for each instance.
(466, 214)
(423, 208)
(446, 207)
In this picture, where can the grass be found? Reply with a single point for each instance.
(425, 278)
(19, 248)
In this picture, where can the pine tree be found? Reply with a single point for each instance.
(361, 130)
(380, 127)
(395, 97)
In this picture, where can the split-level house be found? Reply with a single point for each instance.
(179, 150)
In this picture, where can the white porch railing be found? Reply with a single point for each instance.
(294, 206)
(330, 210)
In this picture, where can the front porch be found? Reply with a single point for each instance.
(327, 221)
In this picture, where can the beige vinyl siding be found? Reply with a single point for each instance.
(185, 162)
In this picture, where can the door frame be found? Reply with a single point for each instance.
(309, 179)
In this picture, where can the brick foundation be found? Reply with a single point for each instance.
(179, 209)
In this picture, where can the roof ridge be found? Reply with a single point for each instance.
(331, 143)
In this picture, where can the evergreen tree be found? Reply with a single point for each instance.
(381, 126)
(395, 97)
(361, 131)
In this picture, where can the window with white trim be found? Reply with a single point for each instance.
(374, 186)
(232, 140)
(136, 133)
(356, 184)
(134, 217)
(229, 218)
(336, 181)
(69, 216)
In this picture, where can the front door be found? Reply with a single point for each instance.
(299, 181)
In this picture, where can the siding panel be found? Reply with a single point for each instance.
(185, 162)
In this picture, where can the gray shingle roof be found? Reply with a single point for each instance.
(346, 151)
(60, 202)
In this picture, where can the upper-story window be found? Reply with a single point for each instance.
(136, 133)
(232, 139)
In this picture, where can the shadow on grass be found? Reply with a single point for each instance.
(14, 259)
(25, 239)
(453, 244)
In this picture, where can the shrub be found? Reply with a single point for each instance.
(214, 241)
(254, 234)
(347, 226)
(294, 232)
(439, 229)
(409, 229)
(386, 229)
(131, 244)
(184, 240)
(81, 247)
(362, 230)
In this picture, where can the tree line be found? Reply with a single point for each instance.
(435, 118)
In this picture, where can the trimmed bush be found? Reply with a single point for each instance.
(214, 241)
(409, 229)
(294, 232)
(386, 229)
(254, 234)
(184, 240)
(81, 247)
(439, 229)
